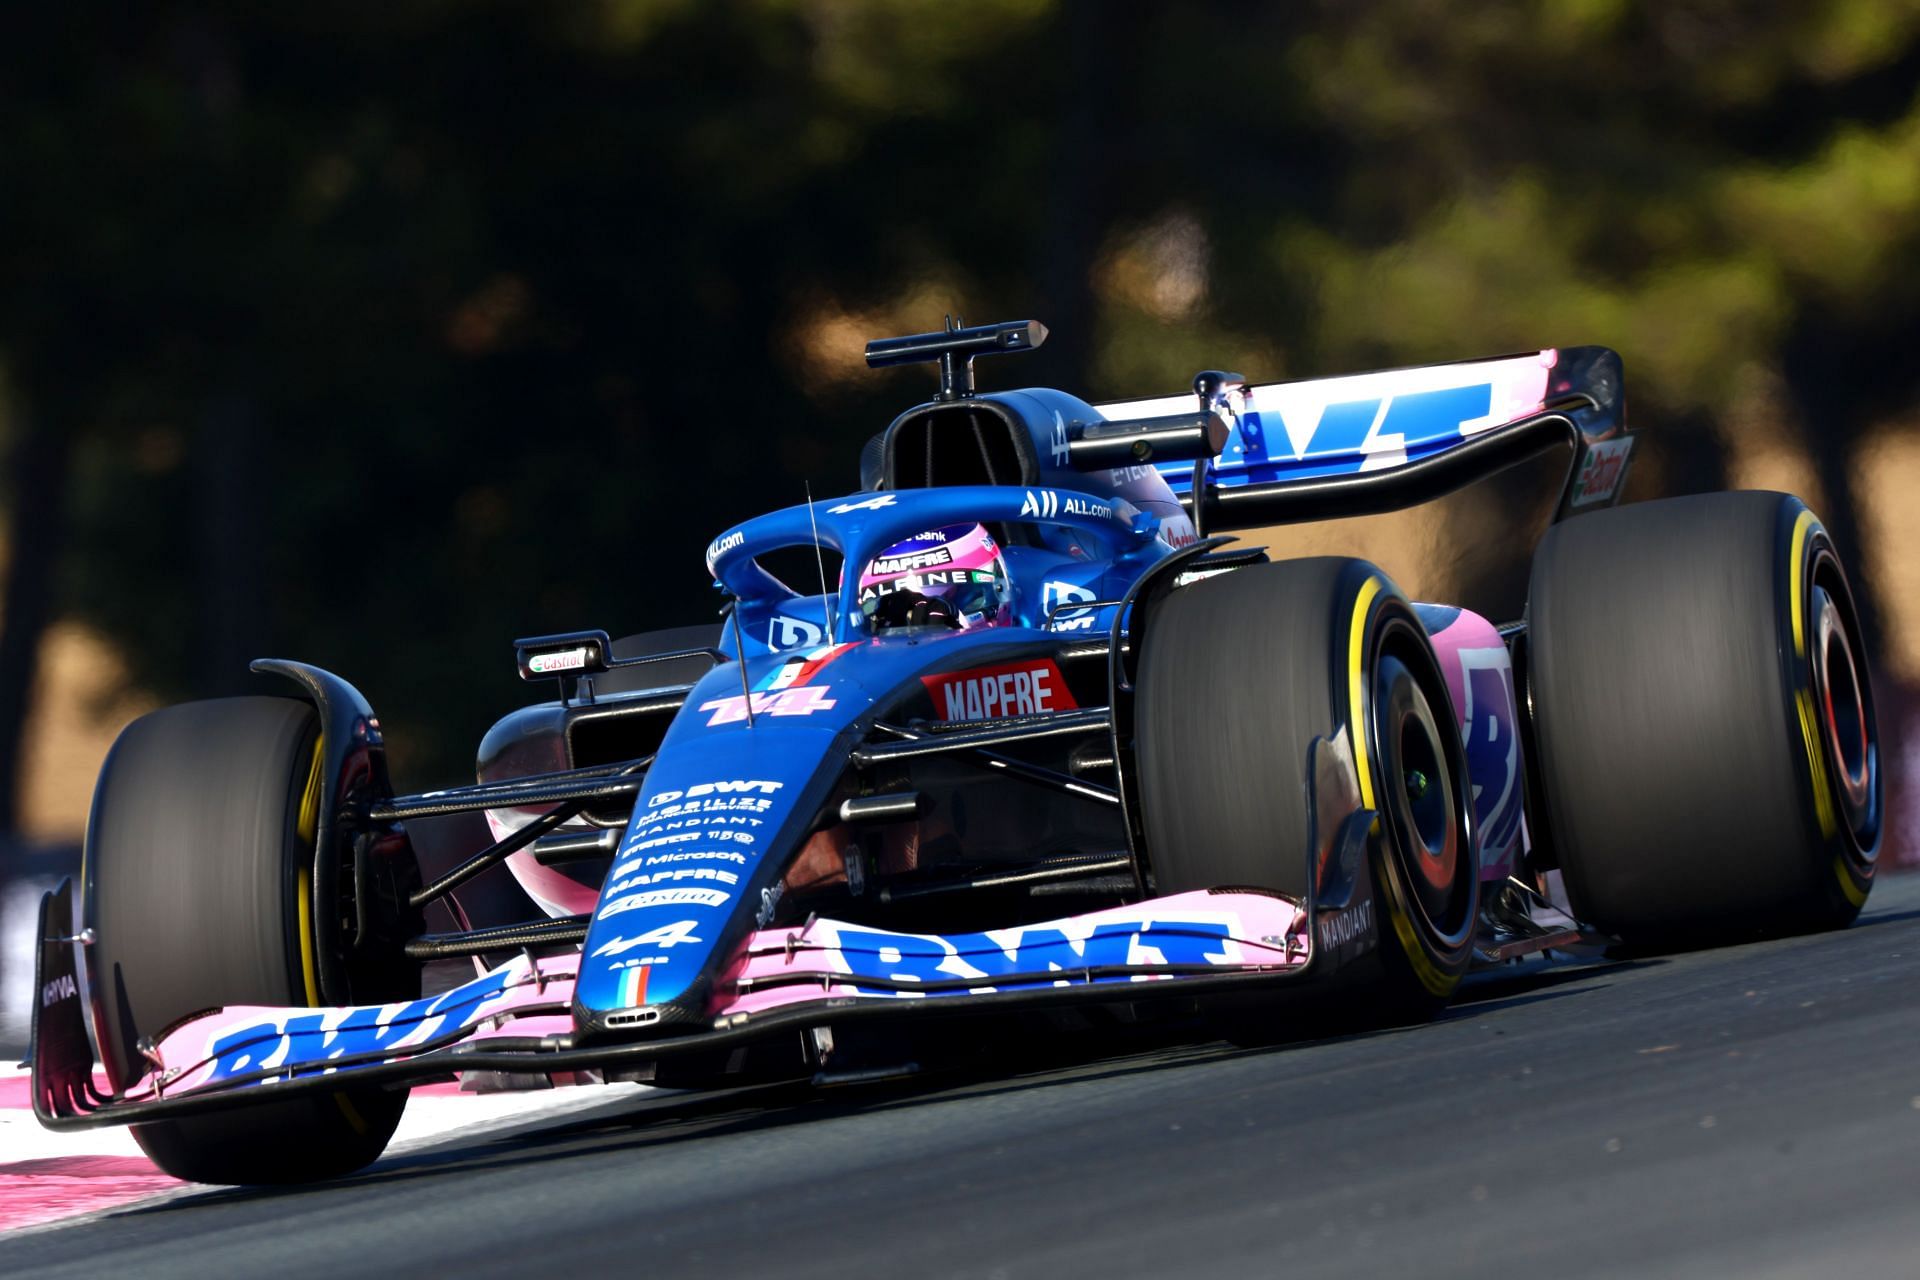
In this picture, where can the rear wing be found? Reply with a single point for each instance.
(1371, 442)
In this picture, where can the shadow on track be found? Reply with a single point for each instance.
(1012, 1064)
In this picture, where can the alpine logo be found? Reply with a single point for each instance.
(989, 693)
(803, 701)
(868, 504)
(1058, 446)
(667, 935)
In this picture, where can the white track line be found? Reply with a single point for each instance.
(434, 1119)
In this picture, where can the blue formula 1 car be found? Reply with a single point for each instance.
(1010, 731)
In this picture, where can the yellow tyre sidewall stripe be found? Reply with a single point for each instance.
(306, 828)
(1805, 527)
(1431, 976)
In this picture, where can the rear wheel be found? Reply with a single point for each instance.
(1706, 734)
(198, 864)
(1238, 674)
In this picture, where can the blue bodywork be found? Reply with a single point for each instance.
(729, 797)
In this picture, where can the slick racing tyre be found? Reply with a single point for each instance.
(1238, 674)
(198, 863)
(1705, 729)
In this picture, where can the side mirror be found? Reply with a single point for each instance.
(572, 653)
(1178, 437)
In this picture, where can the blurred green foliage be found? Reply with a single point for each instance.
(381, 336)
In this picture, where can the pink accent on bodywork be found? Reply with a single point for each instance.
(1263, 932)
(1467, 647)
(554, 892)
(1244, 932)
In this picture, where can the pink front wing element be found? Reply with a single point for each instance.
(1224, 931)
(1163, 939)
(239, 1040)
(1480, 681)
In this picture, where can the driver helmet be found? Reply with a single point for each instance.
(951, 577)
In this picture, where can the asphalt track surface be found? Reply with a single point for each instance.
(1753, 1111)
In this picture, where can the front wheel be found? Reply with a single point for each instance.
(198, 863)
(1238, 674)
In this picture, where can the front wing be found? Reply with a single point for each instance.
(517, 1017)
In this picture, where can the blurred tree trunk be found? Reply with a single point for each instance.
(231, 541)
(1830, 381)
(1079, 184)
(39, 465)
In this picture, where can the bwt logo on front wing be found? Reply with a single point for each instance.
(990, 693)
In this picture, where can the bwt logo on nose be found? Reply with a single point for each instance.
(61, 988)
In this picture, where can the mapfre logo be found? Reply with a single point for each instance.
(991, 693)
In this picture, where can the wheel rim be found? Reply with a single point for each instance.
(1420, 796)
(1845, 716)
